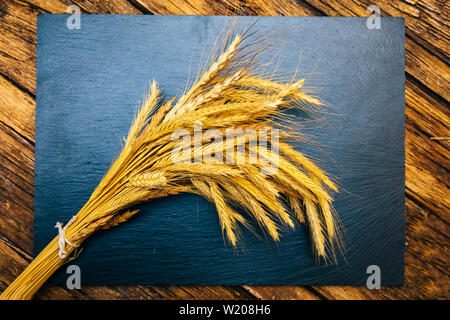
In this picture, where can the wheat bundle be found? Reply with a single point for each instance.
(270, 181)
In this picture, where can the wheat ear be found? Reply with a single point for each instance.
(229, 95)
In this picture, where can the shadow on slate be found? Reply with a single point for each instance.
(90, 82)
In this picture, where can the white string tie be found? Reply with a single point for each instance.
(62, 241)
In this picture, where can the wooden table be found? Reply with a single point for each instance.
(427, 142)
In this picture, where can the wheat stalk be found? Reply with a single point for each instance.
(228, 95)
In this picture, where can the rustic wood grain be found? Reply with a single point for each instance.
(18, 44)
(16, 188)
(426, 160)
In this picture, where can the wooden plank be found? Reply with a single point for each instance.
(429, 115)
(205, 7)
(17, 109)
(427, 171)
(103, 7)
(16, 188)
(282, 293)
(427, 160)
(426, 164)
(89, 6)
(16, 164)
(17, 44)
(146, 293)
(427, 261)
(427, 68)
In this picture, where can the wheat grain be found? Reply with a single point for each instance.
(149, 180)
(227, 96)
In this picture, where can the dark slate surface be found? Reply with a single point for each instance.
(90, 81)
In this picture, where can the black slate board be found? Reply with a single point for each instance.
(90, 82)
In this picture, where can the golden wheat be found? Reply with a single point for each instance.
(227, 96)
